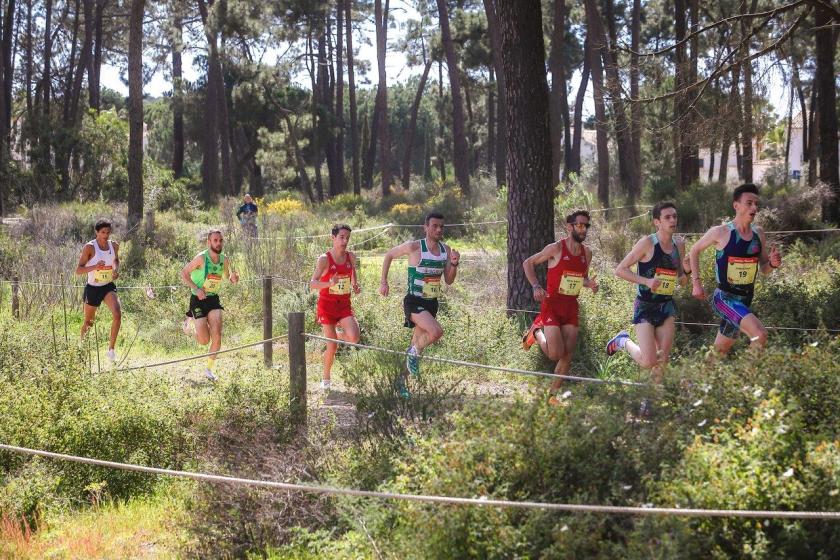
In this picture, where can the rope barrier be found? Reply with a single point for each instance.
(481, 366)
(200, 356)
(447, 500)
(785, 231)
(320, 235)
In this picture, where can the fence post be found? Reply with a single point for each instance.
(268, 324)
(16, 297)
(297, 369)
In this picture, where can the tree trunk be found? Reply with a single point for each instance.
(573, 165)
(8, 45)
(813, 136)
(530, 188)
(747, 130)
(635, 106)
(28, 63)
(84, 61)
(95, 69)
(692, 137)
(595, 44)
(326, 106)
(300, 164)
(354, 128)
(461, 158)
(682, 148)
(826, 48)
(491, 119)
(412, 125)
(797, 83)
(46, 77)
(381, 16)
(501, 112)
(559, 112)
(373, 134)
(315, 144)
(177, 99)
(135, 118)
(788, 130)
(339, 97)
(224, 127)
(4, 152)
(440, 141)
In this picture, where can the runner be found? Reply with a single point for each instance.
(555, 329)
(335, 275)
(428, 260)
(247, 215)
(204, 276)
(659, 259)
(100, 260)
(740, 252)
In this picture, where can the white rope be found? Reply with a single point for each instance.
(448, 500)
(199, 356)
(371, 238)
(320, 235)
(785, 231)
(620, 208)
(481, 366)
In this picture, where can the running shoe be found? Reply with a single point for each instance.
(412, 361)
(402, 388)
(616, 343)
(325, 384)
(529, 338)
(209, 375)
(112, 356)
(645, 409)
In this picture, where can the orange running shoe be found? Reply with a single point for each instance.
(529, 338)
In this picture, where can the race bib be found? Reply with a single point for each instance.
(570, 283)
(212, 284)
(104, 275)
(741, 270)
(431, 287)
(342, 287)
(668, 279)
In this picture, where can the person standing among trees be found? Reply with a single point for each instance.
(659, 270)
(100, 260)
(555, 329)
(247, 215)
(429, 259)
(334, 277)
(740, 252)
(204, 275)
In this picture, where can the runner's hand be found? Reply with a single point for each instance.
(199, 293)
(775, 257)
(384, 288)
(333, 279)
(653, 283)
(234, 277)
(591, 283)
(454, 256)
(697, 289)
(356, 288)
(116, 274)
(539, 293)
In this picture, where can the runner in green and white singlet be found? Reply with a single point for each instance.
(429, 261)
(204, 275)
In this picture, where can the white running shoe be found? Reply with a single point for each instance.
(112, 356)
(209, 375)
(325, 384)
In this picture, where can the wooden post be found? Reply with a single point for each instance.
(297, 370)
(268, 324)
(16, 297)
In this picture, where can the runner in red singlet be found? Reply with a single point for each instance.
(334, 278)
(556, 327)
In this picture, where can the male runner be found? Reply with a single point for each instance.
(429, 259)
(100, 260)
(740, 252)
(204, 276)
(335, 275)
(659, 258)
(247, 215)
(556, 327)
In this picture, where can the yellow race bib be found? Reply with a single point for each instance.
(431, 287)
(342, 287)
(741, 270)
(668, 279)
(212, 283)
(103, 275)
(570, 283)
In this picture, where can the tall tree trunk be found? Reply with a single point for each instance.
(559, 112)
(682, 147)
(813, 136)
(28, 63)
(573, 165)
(789, 129)
(373, 134)
(412, 125)
(635, 105)
(692, 137)
(177, 98)
(501, 124)
(95, 68)
(85, 56)
(491, 119)
(440, 139)
(4, 151)
(315, 143)
(63, 151)
(135, 118)
(461, 158)
(210, 136)
(747, 130)
(803, 108)
(300, 164)
(339, 97)
(354, 128)
(8, 45)
(326, 105)
(224, 127)
(824, 82)
(381, 16)
(530, 188)
(595, 43)
(46, 76)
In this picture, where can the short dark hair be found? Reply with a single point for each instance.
(338, 227)
(570, 219)
(657, 209)
(745, 188)
(431, 215)
(101, 224)
(212, 231)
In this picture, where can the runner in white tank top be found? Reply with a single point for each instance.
(100, 261)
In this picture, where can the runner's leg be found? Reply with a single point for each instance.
(753, 328)
(329, 353)
(90, 316)
(113, 303)
(664, 342)
(643, 353)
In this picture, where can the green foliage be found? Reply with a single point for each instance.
(103, 144)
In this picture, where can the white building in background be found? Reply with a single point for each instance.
(760, 166)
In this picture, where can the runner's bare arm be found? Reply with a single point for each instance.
(229, 273)
(545, 255)
(116, 259)
(87, 253)
(197, 262)
(640, 250)
(450, 269)
(401, 250)
(711, 237)
(589, 281)
(320, 267)
(681, 273)
(357, 288)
